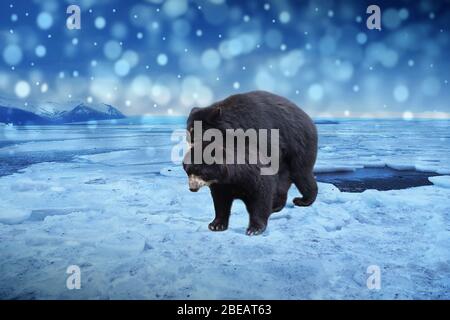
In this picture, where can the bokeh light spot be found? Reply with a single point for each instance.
(40, 51)
(22, 89)
(100, 22)
(44, 20)
(162, 59)
(316, 92)
(401, 93)
(12, 55)
(122, 67)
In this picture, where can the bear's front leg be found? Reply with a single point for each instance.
(259, 210)
(223, 200)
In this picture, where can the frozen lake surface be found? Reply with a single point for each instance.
(108, 199)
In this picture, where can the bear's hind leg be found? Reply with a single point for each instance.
(259, 210)
(279, 202)
(307, 185)
(283, 184)
(223, 200)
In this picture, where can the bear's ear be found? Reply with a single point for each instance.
(214, 115)
(194, 110)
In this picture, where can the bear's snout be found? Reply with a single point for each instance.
(195, 183)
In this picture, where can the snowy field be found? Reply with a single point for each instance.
(108, 199)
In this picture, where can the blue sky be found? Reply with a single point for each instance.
(164, 57)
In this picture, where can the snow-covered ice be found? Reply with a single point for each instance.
(125, 216)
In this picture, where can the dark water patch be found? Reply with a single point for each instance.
(383, 178)
(8, 143)
(20, 160)
(317, 121)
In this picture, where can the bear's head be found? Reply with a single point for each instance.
(202, 174)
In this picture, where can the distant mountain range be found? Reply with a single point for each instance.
(48, 113)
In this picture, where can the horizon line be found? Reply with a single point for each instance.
(406, 116)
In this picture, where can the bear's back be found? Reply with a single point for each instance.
(263, 110)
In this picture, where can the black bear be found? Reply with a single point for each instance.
(262, 194)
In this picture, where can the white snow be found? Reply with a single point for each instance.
(128, 220)
(11, 215)
(440, 181)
